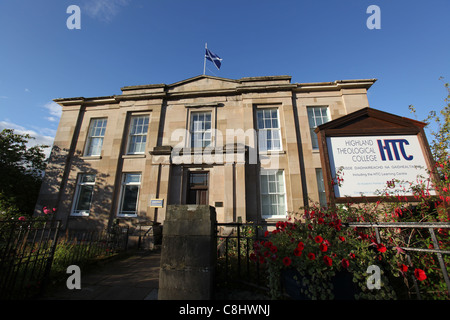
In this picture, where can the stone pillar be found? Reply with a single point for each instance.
(188, 254)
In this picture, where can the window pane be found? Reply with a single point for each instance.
(85, 198)
(130, 199)
(133, 178)
(274, 114)
(269, 137)
(316, 117)
(95, 146)
(138, 134)
(272, 193)
(281, 205)
(83, 194)
(130, 194)
(272, 187)
(200, 129)
(95, 137)
(321, 187)
(264, 184)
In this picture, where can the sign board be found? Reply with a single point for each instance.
(368, 163)
(156, 203)
(373, 152)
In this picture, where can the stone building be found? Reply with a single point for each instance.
(246, 147)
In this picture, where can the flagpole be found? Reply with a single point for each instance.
(204, 59)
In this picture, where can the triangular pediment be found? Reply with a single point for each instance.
(369, 121)
(202, 83)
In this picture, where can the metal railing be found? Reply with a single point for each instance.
(429, 226)
(26, 253)
(31, 251)
(80, 246)
(240, 242)
(238, 267)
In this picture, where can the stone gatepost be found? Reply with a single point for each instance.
(188, 253)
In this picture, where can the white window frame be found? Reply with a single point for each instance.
(93, 134)
(193, 130)
(80, 185)
(124, 184)
(276, 194)
(315, 121)
(265, 128)
(131, 146)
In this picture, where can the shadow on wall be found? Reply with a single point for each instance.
(59, 186)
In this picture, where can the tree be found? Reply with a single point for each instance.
(440, 144)
(21, 171)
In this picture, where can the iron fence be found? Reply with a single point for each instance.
(430, 227)
(79, 246)
(32, 251)
(235, 244)
(26, 253)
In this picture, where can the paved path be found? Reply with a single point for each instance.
(132, 278)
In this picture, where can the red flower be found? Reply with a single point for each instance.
(320, 221)
(287, 261)
(22, 218)
(420, 274)
(323, 247)
(341, 238)
(273, 249)
(345, 263)
(268, 244)
(301, 245)
(318, 239)
(266, 234)
(327, 261)
(311, 256)
(297, 252)
(403, 268)
(381, 248)
(351, 255)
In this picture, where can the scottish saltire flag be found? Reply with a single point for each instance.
(213, 58)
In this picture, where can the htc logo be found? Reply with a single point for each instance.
(393, 148)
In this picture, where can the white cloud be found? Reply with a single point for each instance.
(104, 10)
(55, 111)
(52, 119)
(42, 135)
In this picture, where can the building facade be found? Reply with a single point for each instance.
(246, 147)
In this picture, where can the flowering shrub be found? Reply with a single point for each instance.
(317, 244)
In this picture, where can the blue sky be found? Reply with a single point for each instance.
(134, 42)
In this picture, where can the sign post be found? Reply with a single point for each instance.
(372, 150)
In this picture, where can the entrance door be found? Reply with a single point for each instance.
(198, 188)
